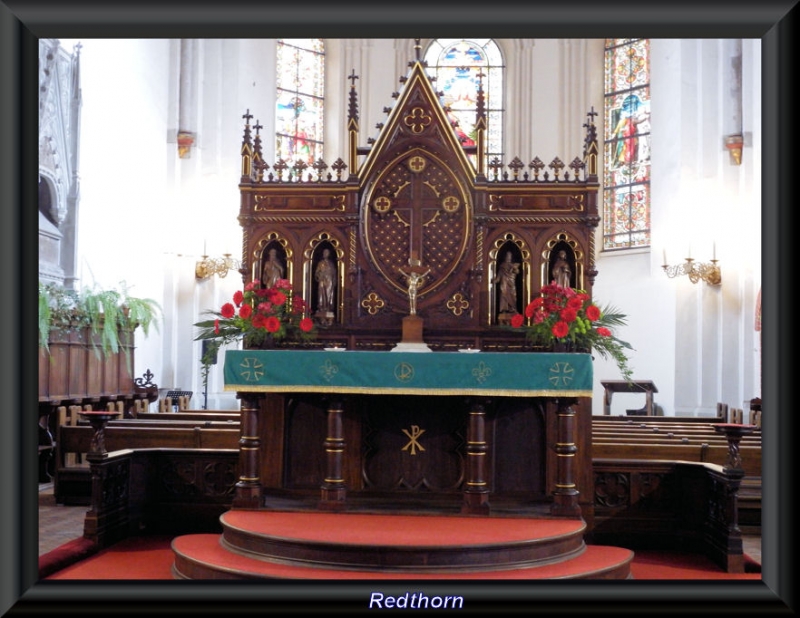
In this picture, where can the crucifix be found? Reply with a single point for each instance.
(412, 323)
(415, 276)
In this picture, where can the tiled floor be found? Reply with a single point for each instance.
(59, 524)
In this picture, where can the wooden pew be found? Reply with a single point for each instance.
(193, 415)
(667, 420)
(702, 453)
(683, 439)
(72, 483)
(170, 423)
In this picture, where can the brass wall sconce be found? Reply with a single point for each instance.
(208, 267)
(696, 271)
(185, 143)
(734, 144)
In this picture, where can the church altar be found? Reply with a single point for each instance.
(270, 382)
(414, 227)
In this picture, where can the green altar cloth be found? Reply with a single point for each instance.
(505, 374)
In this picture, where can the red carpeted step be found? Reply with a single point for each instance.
(421, 543)
(202, 556)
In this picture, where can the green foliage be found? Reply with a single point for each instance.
(107, 312)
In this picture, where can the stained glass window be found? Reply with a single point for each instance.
(300, 100)
(459, 65)
(626, 180)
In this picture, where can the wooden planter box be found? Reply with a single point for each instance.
(76, 372)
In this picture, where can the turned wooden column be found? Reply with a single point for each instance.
(565, 495)
(98, 419)
(476, 492)
(333, 489)
(734, 432)
(248, 488)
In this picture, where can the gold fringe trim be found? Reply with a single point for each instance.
(388, 390)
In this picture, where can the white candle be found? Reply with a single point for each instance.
(714, 251)
(690, 252)
(665, 257)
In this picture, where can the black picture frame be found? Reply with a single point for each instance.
(23, 22)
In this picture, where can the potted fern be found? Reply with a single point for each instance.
(107, 313)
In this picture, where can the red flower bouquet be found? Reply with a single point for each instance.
(256, 315)
(568, 316)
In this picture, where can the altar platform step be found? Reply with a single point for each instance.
(315, 545)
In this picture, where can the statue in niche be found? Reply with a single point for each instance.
(562, 271)
(506, 280)
(272, 270)
(325, 276)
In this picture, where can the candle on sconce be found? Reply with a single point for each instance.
(204, 248)
(714, 251)
(665, 257)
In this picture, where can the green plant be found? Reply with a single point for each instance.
(61, 309)
(106, 312)
(567, 316)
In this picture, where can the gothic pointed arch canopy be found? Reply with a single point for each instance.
(413, 195)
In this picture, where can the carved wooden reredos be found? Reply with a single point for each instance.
(415, 193)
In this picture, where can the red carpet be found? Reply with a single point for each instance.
(151, 558)
(363, 528)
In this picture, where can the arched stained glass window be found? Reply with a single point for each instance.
(626, 180)
(300, 100)
(458, 65)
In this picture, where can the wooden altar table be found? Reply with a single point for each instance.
(558, 378)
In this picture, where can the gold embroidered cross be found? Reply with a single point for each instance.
(413, 444)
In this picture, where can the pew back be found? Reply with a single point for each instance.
(72, 483)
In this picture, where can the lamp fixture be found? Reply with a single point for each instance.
(734, 144)
(696, 271)
(208, 267)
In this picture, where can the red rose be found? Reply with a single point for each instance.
(238, 297)
(306, 324)
(575, 303)
(568, 314)
(251, 286)
(258, 321)
(603, 331)
(227, 311)
(277, 298)
(272, 324)
(298, 304)
(517, 320)
(245, 311)
(533, 306)
(592, 312)
(560, 329)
